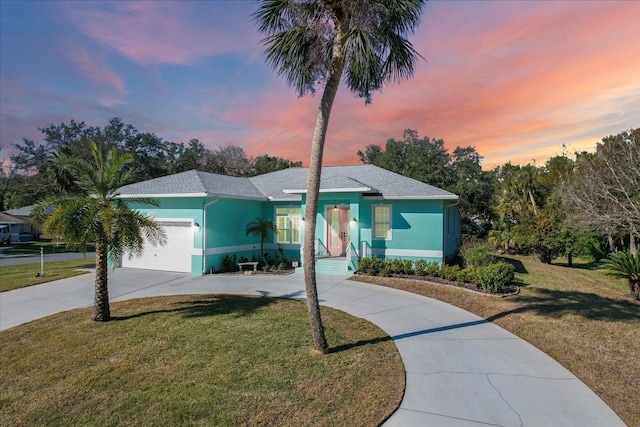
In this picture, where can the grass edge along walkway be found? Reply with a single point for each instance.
(20, 276)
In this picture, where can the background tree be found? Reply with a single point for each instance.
(265, 164)
(229, 160)
(32, 172)
(603, 193)
(97, 215)
(428, 160)
(261, 227)
(313, 43)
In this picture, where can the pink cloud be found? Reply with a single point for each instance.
(98, 72)
(156, 32)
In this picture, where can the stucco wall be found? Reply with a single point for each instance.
(417, 229)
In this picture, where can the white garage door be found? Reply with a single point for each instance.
(175, 255)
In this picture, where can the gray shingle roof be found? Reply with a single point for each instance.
(287, 184)
(194, 183)
(381, 182)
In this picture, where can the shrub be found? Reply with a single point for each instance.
(394, 265)
(407, 267)
(477, 254)
(371, 266)
(433, 269)
(420, 268)
(229, 263)
(450, 272)
(492, 278)
(625, 266)
(426, 268)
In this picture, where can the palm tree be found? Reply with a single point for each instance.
(313, 42)
(261, 227)
(626, 266)
(97, 215)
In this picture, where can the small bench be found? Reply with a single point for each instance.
(246, 264)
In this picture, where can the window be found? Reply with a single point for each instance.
(288, 225)
(382, 222)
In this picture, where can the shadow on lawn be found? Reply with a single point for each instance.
(556, 304)
(517, 264)
(213, 305)
(592, 265)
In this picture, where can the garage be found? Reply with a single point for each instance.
(175, 255)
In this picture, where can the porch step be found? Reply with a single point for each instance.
(332, 266)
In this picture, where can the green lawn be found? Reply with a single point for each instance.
(33, 248)
(198, 360)
(581, 317)
(19, 276)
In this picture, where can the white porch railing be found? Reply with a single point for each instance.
(366, 250)
(352, 257)
(321, 249)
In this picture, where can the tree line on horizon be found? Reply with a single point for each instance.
(34, 174)
(586, 205)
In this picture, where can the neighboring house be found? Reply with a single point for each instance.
(20, 225)
(363, 211)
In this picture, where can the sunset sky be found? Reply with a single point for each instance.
(517, 80)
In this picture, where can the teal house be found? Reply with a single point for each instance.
(363, 211)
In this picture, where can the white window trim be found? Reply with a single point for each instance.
(275, 216)
(373, 222)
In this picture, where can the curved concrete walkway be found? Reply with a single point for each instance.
(460, 369)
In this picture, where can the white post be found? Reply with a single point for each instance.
(41, 261)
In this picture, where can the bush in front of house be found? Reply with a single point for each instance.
(477, 254)
(371, 266)
(492, 277)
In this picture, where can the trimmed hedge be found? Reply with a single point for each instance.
(490, 278)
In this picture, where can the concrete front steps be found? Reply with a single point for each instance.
(336, 266)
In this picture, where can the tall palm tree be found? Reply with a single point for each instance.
(313, 42)
(261, 227)
(97, 215)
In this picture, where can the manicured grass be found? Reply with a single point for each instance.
(20, 276)
(198, 360)
(33, 248)
(579, 316)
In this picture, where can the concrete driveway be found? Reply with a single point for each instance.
(460, 369)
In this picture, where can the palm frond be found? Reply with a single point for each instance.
(623, 265)
(371, 33)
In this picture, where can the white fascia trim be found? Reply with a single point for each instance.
(132, 196)
(277, 199)
(229, 196)
(332, 190)
(452, 197)
(185, 195)
(417, 253)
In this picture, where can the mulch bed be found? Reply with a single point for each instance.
(507, 291)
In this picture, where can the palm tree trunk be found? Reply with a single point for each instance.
(313, 192)
(101, 312)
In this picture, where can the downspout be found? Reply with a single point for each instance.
(204, 234)
(447, 207)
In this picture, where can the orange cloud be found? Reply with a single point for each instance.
(552, 74)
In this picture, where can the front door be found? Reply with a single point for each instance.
(338, 230)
